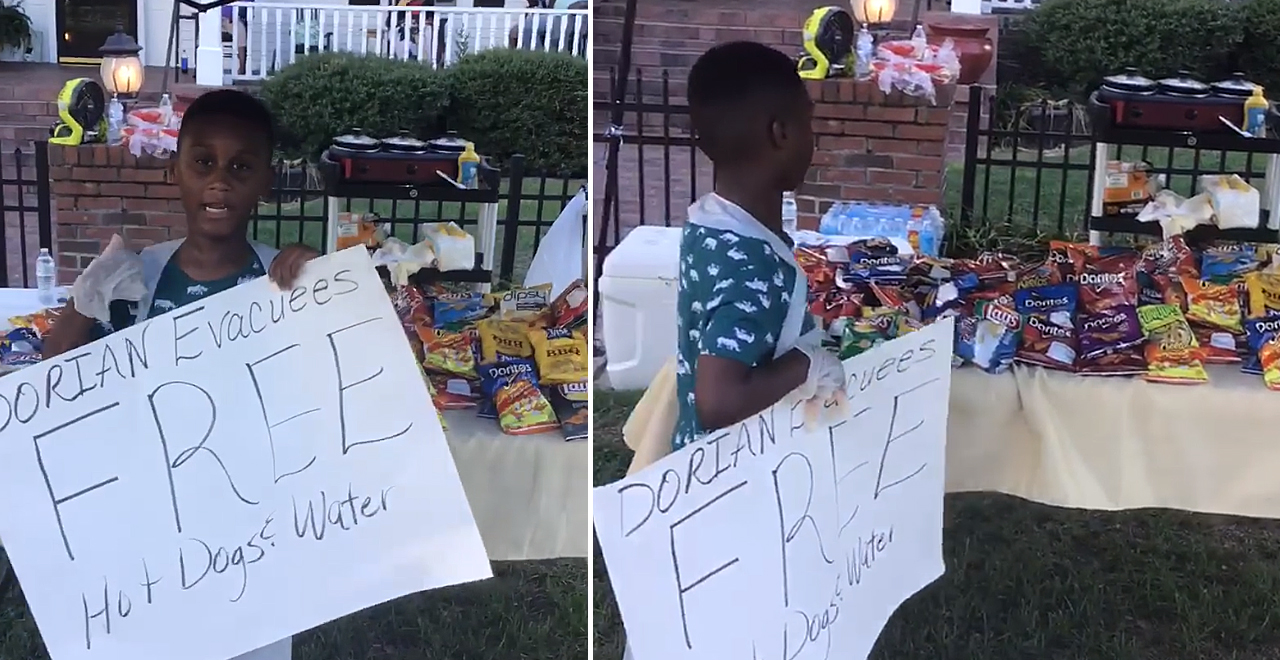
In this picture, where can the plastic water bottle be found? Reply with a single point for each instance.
(115, 121)
(790, 213)
(166, 110)
(829, 224)
(864, 51)
(46, 278)
(919, 41)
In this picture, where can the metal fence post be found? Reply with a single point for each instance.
(969, 180)
(44, 196)
(511, 224)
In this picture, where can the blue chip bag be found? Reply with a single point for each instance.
(1258, 332)
(866, 265)
(948, 295)
(1224, 264)
(454, 310)
(989, 337)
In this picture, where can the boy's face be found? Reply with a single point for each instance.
(222, 169)
(795, 141)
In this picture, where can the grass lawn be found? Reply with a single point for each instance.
(1026, 581)
(1008, 192)
(529, 611)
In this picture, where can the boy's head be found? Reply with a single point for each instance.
(223, 164)
(751, 112)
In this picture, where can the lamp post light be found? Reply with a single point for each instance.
(121, 70)
(874, 12)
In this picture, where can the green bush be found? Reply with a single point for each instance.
(507, 101)
(1259, 52)
(1073, 44)
(322, 96)
(529, 102)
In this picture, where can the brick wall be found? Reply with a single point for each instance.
(874, 147)
(99, 191)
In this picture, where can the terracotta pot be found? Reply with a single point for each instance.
(972, 44)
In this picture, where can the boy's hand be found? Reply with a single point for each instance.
(826, 372)
(284, 270)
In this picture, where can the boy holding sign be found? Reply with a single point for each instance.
(745, 339)
(222, 168)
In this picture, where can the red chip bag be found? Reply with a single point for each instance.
(1068, 260)
(1108, 282)
(1217, 346)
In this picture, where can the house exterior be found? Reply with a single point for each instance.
(271, 32)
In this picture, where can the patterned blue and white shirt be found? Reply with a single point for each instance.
(733, 296)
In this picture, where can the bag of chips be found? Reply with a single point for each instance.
(1172, 352)
(569, 309)
(453, 393)
(1048, 326)
(449, 353)
(41, 321)
(1213, 305)
(454, 310)
(410, 307)
(1109, 331)
(520, 405)
(863, 334)
(1109, 282)
(522, 304)
(1226, 263)
(1264, 342)
(572, 408)
(1068, 259)
(1264, 293)
(561, 355)
(1217, 346)
(990, 338)
(503, 340)
(1037, 275)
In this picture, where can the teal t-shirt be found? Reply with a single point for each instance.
(176, 289)
(732, 300)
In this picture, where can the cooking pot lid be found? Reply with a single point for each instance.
(356, 139)
(1183, 83)
(1236, 85)
(1129, 81)
(449, 143)
(405, 142)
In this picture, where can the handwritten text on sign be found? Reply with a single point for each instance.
(780, 541)
(230, 473)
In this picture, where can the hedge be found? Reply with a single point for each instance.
(507, 101)
(1068, 46)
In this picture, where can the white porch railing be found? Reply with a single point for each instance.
(268, 36)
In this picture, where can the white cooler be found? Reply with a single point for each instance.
(638, 305)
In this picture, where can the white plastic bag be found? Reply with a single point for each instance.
(1236, 204)
(559, 259)
(454, 248)
(116, 274)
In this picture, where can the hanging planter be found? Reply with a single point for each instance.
(15, 32)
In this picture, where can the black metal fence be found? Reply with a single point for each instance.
(657, 169)
(297, 212)
(1033, 170)
(26, 208)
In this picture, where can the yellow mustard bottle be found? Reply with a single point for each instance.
(469, 167)
(1255, 113)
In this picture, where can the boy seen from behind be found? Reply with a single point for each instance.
(745, 338)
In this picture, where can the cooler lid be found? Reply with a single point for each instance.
(646, 253)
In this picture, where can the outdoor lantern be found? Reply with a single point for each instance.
(121, 69)
(874, 12)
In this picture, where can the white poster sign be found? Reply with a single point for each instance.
(230, 473)
(791, 535)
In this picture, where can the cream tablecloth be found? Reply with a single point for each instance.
(528, 494)
(1112, 443)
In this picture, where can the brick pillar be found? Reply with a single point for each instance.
(874, 147)
(99, 191)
